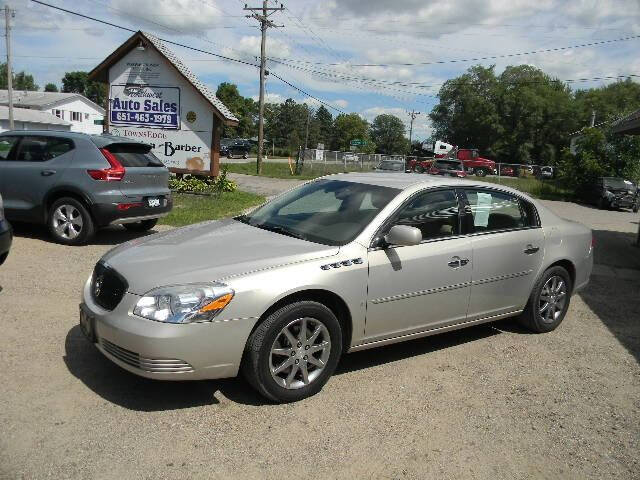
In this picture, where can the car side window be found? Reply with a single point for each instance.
(434, 213)
(42, 149)
(7, 147)
(492, 211)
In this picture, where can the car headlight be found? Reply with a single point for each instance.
(184, 303)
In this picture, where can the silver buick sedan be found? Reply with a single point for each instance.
(339, 264)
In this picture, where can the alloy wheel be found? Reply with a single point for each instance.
(299, 353)
(552, 299)
(67, 221)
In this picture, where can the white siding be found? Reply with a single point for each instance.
(4, 126)
(85, 125)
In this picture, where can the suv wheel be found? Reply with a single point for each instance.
(141, 226)
(70, 222)
(245, 156)
(549, 301)
(292, 354)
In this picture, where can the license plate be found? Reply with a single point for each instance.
(153, 202)
(87, 325)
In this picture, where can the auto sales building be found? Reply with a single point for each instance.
(156, 99)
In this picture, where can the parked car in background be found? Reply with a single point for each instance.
(6, 235)
(449, 168)
(76, 183)
(345, 263)
(231, 148)
(613, 192)
(508, 170)
(390, 166)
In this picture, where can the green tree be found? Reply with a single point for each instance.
(21, 80)
(245, 110)
(387, 131)
(78, 82)
(324, 123)
(50, 87)
(347, 127)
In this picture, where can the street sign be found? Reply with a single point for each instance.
(357, 142)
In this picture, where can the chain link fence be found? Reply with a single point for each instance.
(539, 180)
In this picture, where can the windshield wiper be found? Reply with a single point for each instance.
(279, 229)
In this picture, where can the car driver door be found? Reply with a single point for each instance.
(424, 286)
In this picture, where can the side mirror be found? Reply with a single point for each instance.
(403, 235)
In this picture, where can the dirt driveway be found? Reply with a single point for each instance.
(487, 402)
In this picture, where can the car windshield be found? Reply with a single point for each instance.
(395, 166)
(448, 165)
(330, 212)
(618, 183)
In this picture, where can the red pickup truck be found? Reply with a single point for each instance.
(470, 158)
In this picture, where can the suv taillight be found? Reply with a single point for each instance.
(112, 174)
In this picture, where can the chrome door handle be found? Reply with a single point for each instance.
(455, 262)
(47, 173)
(530, 250)
(464, 261)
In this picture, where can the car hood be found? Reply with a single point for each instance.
(205, 252)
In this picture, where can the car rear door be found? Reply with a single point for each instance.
(424, 286)
(508, 248)
(145, 175)
(35, 165)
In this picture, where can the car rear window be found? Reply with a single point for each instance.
(134, 155)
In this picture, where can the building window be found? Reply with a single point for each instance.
(86, 116)
(58, 113)
(76, 116)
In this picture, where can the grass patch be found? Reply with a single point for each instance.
(188, 209)
(281, 170)
(543, 189)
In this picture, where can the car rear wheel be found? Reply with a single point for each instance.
(69, 222)
(292, 354)
(141, 226)
(480, 172)
(549, 301)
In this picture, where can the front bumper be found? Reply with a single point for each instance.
(109, 214)
(164, 351)
(626, 201)
(6, 237)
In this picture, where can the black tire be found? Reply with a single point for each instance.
(602, 204)
(245, 156)
(531, 317)
(635, 208)
(257, 354)
(419, 169)
(480, 172)
(79, 230)
(141, 226)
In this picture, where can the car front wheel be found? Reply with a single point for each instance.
(549, 301)
(480, 172)
(70, 222)
(292, 354)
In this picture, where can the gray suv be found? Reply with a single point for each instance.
(76, 183)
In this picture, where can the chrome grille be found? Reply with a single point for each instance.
(107, 286)
(154, 365)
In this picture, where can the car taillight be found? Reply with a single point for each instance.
(112, 174)
(127, 206)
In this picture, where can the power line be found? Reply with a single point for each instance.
(188, 47)
(476, 59)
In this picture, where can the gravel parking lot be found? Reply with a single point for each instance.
(488, 402)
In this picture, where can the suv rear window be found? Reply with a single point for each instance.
(134, 155)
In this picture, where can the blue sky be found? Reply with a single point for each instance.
(323, 42)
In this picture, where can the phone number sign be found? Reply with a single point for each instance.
(145, 106)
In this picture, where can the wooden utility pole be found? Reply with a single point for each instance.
(413, 114)
(8, 15)
(263, 17)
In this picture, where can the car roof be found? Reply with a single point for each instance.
(99, 140)
(405, 181)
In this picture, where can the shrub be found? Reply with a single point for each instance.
(206, 185)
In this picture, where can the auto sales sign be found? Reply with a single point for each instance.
(145, 106)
